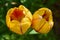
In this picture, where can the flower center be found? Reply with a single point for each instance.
(17, 14)
(45, 16)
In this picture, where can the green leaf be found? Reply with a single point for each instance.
(33, 32)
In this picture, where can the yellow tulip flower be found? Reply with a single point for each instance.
(18, 19)
(42, 20)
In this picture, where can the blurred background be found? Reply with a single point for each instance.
(32, 5)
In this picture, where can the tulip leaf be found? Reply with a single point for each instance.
(33, 32)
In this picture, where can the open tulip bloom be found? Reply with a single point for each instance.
(19, 20)
(42, 20)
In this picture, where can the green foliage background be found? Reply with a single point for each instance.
(32, 5)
